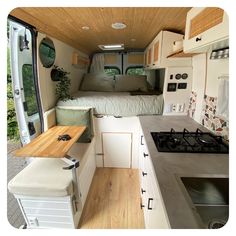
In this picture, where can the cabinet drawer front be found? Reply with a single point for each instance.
(52, 219)
(47, 224)
(44, 204)
(205, 20)
(52, 212)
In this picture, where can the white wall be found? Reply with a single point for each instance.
(205, 78)
(198, 83)
(215, 68)
(63, 59)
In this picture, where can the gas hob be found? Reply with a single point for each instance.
(192, 142)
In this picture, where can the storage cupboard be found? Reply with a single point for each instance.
(116, 141)
(156, 53)
(206, 27)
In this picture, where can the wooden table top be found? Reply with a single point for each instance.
(47, 145)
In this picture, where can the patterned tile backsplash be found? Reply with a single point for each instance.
(192, 104)
(214, 123)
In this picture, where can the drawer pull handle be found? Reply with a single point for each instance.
(141, 205)
(143, 191)
(144, 173)
(198, 39)
(145, 155)
(149, 201)
(142, 140)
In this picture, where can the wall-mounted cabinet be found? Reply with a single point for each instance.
(206, 28)
(160, 48)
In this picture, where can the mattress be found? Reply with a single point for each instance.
(116, 103)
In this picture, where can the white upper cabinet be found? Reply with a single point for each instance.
(206, 27)
(155, 55)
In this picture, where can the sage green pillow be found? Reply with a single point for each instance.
(129, 83)
(76, 117)
(97, 82)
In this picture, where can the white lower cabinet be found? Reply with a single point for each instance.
(117, 141)
(155, 216)
(117, 149)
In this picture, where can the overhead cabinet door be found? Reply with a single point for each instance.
(117, 149)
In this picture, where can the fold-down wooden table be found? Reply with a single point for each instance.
(48, 145)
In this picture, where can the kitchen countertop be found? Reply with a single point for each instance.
(170, 166)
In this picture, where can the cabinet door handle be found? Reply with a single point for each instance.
(144, 173)
(198, 39)
(143, 191)
(149, 201)
(141, 205)
(98, 116)
(142, 140)
(145, 155)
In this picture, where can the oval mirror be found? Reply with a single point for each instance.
(47, 53)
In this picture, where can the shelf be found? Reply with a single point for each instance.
(79, 61)
(180, 53)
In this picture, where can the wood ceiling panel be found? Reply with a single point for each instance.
(143, 24)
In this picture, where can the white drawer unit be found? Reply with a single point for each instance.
(155, 215)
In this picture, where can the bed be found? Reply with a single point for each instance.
(120, 96)
(116, 103)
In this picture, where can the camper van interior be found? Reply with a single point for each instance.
(122, 115)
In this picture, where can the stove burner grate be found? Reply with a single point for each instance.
(185, 141)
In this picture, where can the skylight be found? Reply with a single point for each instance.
(112, 47)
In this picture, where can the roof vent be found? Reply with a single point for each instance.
(118, 25)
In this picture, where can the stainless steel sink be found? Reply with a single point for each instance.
(210, 198)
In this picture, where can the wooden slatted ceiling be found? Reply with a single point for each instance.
(65, 24)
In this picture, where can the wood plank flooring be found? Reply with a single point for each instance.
(113, 201)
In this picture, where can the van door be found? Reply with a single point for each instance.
(23, 82)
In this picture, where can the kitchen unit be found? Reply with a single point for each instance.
(170, 167)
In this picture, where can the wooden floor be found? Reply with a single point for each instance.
(113, 201)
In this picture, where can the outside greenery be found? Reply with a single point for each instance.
(130, 71)
(135, 71)
(29, 89)
(112, 71)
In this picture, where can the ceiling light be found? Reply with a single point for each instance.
(85, 27)
(112, 47)
(118, 25)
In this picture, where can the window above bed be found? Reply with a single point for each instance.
(135, 70)
(112, 70)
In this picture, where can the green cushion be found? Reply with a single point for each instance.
(76, 117)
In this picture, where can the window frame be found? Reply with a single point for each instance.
(133, 67)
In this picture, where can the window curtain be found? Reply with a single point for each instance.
(97, 65)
